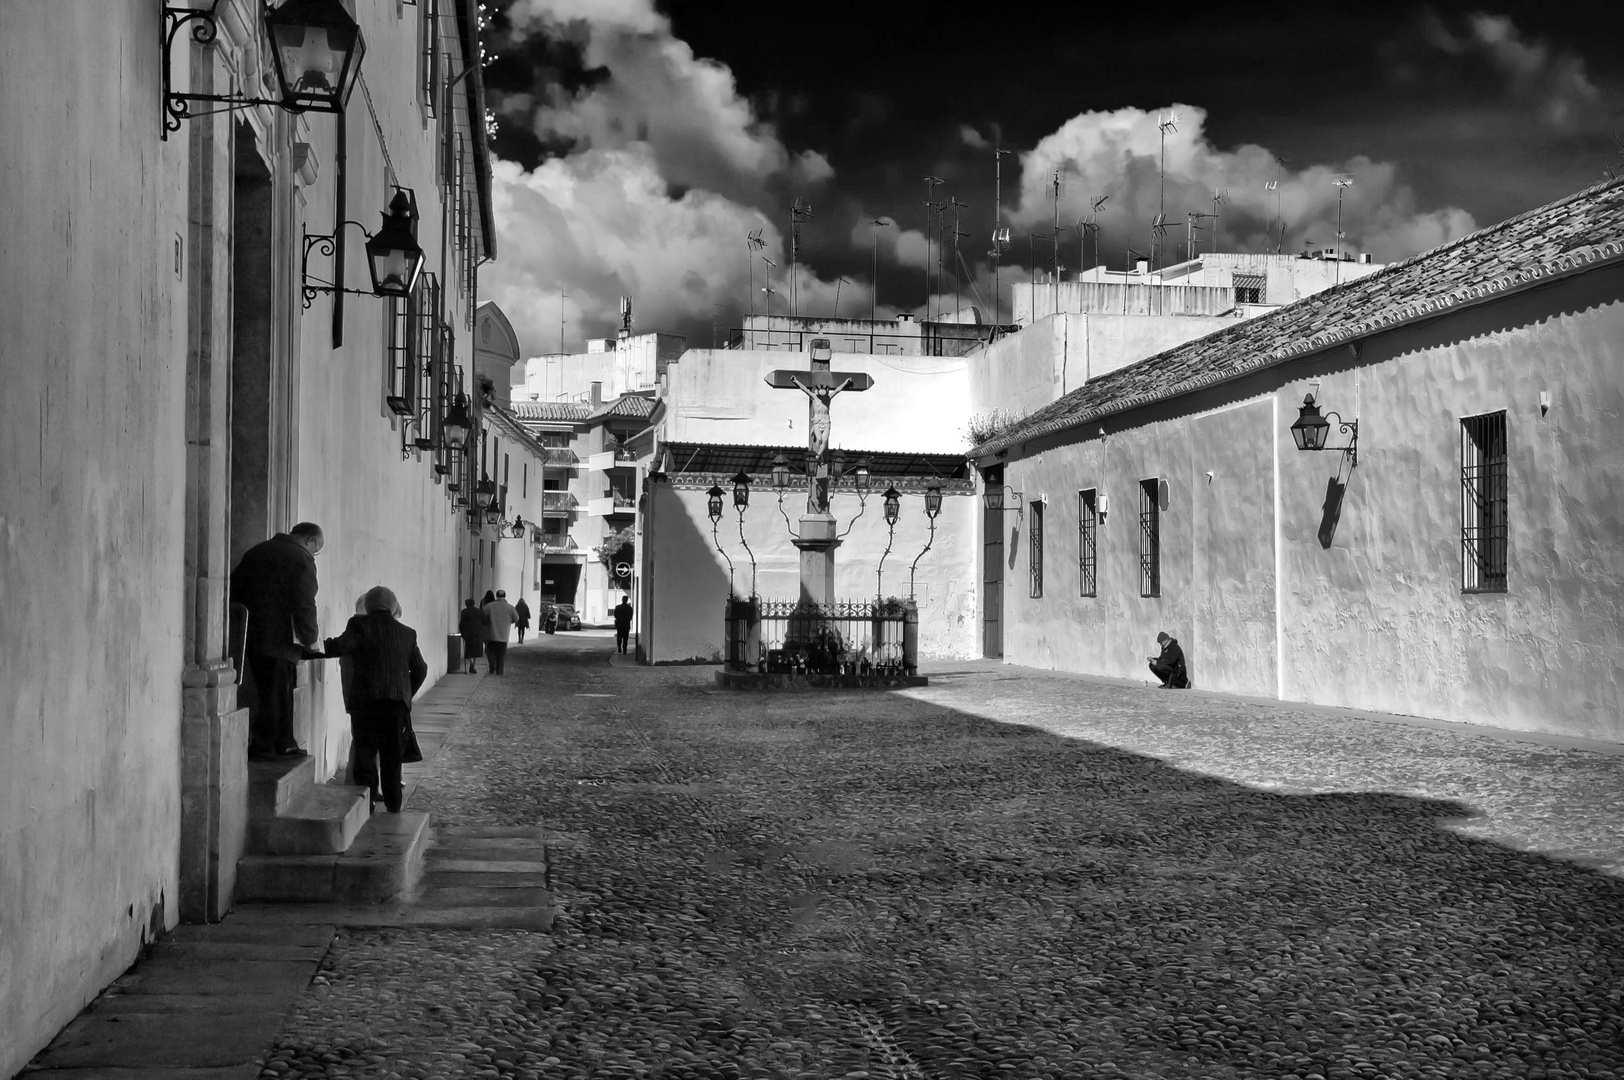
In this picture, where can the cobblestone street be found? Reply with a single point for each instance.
(1004, 874)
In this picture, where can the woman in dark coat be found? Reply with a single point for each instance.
(523, 622)
(388, 670)
(473, 629)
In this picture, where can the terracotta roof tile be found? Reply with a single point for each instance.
(628, 405)
(556, 411)
(1571, 234)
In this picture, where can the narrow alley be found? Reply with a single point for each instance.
(1004, 874)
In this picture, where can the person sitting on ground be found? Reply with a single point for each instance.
(388, 671)
(1169, 666)
(471, 627)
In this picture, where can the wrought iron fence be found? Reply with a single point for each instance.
(848, 637)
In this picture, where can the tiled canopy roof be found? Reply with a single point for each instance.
(1575, 233)
(632, 405)
(556, 411)
(687, 457)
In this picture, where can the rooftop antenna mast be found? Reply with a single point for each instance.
(1274, 186)
(1342, 185)
(1086, 226)
(1054, 237)
(1158, 239)
(1000, 235)
(1219, 197)
(800, 212)
(752, 244)
(1190, 229)
(932, 207)
(874, 227)
(839, 281)
(767, 276)
(1171, 124)
(953, 202)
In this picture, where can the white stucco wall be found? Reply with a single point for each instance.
(1367, 610)
(92, 347)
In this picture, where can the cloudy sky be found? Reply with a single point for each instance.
(641, 142)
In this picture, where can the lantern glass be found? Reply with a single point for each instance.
(393, 254)
(454, 428)
(933, 499)
(714, 502)
(893, 505)
(780, 472)
(862, 476)
(994, 498)
(316, 49)
(741, 489)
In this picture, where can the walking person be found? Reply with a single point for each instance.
(472, 628)
(276, 581)
(524, 618)
(623, 622)
(1169, 665)
(500, 615)
(388, 670)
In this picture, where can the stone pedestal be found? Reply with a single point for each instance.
(214, 790)
(817, 543)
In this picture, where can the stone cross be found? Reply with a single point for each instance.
(820, 385)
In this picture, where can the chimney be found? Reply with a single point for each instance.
(597, 394)
(1142, 266)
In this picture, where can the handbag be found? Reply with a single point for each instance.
(410, 752)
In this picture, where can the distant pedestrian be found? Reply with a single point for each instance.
(388, 671)
(623, 622)
(501, 616)
(473, 629)
(523, 622)
(550, 623)
(1169, 665)
(276, 581)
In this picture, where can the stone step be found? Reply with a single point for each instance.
(323, 820)
(385, 860)
(274, 786)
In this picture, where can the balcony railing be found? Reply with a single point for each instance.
(562, 455)
(559, 502)
(559, 545)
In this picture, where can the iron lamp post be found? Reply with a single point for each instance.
(893, 509)
(933, 506)
(714, 503)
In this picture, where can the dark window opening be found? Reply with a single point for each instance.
(1150, 539)
(1035, 537)
(1088, 520)
(1484, 526)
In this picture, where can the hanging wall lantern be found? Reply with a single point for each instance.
(741, 489)
(861, 475)
(893, 505)
(713, 503)
(316, 48)
(455, 426)
(393, 254)
(780, 473)
(933, 498)
(1311, 428)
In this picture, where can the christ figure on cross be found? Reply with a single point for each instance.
(820, 385)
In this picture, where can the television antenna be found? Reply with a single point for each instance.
(1190, 229)
(1219, 197)
(953, 202)
(1158, 238)
(1171, 124)
(767, 287)
(874, 227)
(752, 244)
(799, 213)
(1000, 235)
(1343, 183)
(1086, 226)
(932, 208)
(1280, 164)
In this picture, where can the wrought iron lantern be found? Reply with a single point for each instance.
(837, 466)
(933, 498)
(493, 509)
(714, 502)
(893, 505)
(316, 51)
(860, 475)
(393, 256)
(741, 489)
(454, 427)
(780, 473)
(516, 529)
(1311, 428)
(993, 499)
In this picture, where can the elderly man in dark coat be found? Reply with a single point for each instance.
(276, 582)
(388, 671)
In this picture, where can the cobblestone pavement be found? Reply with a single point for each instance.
(1001, 875)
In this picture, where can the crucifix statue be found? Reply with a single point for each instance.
(817, 540)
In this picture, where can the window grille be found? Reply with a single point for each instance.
(1088, 520)
(1150, 539)
(1484, 526)
(1248, 288)
(428, 61)
(1035, 538)
(398, 349)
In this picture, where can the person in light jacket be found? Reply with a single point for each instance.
(388, 671)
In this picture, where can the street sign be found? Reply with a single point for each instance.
(623, 569)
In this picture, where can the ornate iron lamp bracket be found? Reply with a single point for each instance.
(177, 106)
(327, 243)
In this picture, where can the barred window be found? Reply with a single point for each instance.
(428, 60)
(1035, 538)
(1484, 528)
(1088, 520)
(1248, 288)
(1150, 538)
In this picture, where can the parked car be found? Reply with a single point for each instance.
(568, 617)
